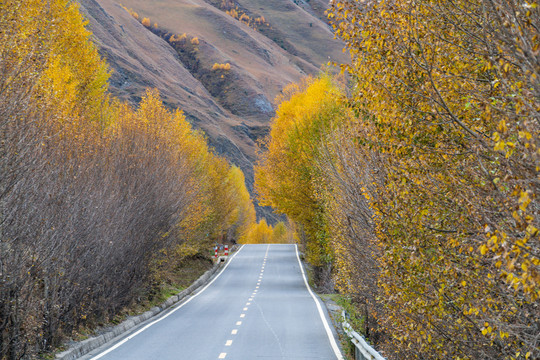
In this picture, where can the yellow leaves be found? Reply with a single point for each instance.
(524, 200)
(68, 76)
(502, 127)
(217, 199)
(483, 249)
(131, 12)
(531, 230)
(525, 135)
(415, 73)
(258, 233)
(471, 311)
(60, 86)
(487, 329)
(74, 70)
(146, 168)
(499, 146)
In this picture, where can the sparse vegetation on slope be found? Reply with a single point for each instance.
(258, 23)
(225, 86)
(231, 8)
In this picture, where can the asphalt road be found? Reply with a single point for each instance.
(258, 307)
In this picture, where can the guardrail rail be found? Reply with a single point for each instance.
(363, 351)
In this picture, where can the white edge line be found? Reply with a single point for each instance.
(333, 343)
(166, 315)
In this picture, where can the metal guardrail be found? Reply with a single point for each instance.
(363, 351)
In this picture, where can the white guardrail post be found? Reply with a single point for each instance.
(362, 349)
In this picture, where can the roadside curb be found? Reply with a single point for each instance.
(82, 348)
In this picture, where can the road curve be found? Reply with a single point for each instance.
(258, 307)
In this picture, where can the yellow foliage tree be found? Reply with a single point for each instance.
(131, 12)
(446, 97)
(243, 216)
(258, 233)
(281, 234)
(226, 67)
(286, 176)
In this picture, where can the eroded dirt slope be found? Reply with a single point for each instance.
(139, 59)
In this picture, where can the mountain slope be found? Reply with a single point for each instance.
(266, 46)
(140, 60)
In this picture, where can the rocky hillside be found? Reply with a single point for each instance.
(221, 61)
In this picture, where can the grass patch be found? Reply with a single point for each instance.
(333, 297)
(355, 318)
(349, 349)
(310, 274)
(356, 321)
(170, 283)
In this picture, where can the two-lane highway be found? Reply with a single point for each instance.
(258, 307)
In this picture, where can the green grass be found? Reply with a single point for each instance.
(356, 319)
